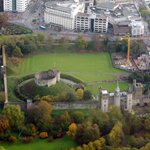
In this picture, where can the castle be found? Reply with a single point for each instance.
(47, 78)
(124, 100)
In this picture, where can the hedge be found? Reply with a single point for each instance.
(69, 77)
(17, 90)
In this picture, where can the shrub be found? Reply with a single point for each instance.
(27, 139)
(12, 139)
(43, 135)
(87, 95)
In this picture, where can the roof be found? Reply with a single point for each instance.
(104, 91)
(107, 5)
(65, 6)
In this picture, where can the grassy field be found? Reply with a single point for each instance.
(86, 67)
(60, 144)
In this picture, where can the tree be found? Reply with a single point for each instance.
(64, 42)
(4, 124)
(87, 95)
(86, 133)
(98, 144)
(115, 114)
(40, 115)
(2, 97)
(102, 120)
(70, 97)
(17, 52)
(146, 147)
(147, 123)
(115, 135)
(3, 20)
(78, 117)
(79, 93)
(72, 129)
(96, 43)
(14, 115)
(133, 123)
(64, 121)
(80, 43)
(41, 37)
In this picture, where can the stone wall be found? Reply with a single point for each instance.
(61, 105)
(76, 105)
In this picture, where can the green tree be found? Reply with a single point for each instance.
(41, 37)
(87, 95)
(147, 123)
(63, 121)
(40, 115)
(102, 120)
(87, 132)
(64, 42)
(115, 114)
(132, 124)
(70, 97)
(81, 43)
(14, 115)
(78, 117)
(17, 52)
(2, 97)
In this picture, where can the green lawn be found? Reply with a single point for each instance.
(86, 67)
(108, 86)
(60, 144)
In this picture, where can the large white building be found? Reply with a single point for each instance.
(15, 5)
(91, 22)
(63, 13)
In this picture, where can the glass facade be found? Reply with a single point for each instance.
(14, 5)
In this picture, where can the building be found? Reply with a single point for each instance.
(63, 13)
(117, 1)
(47, 78)
(15, 5)
(122, 100)
(91, 22)
(122, 28)
(1, 6)
(137, 28)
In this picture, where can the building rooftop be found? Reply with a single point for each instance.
(104, 91)
(117, 12)
(65, 6)
(107, 6)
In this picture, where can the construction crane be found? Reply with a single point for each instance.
(129, 39)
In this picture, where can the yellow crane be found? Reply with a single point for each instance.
(129, 39)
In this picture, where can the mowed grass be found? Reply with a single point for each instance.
(87, 67)
(108, 86)
(64, 143)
